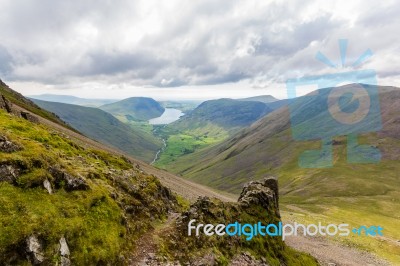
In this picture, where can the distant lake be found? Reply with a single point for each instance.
(170, 115)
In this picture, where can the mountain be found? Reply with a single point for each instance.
(261, 98)
(66, 202)
(224, 113)
(358, 193)
(104, 127)
(135, 108)
(72, 100)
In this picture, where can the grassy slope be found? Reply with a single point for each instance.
(103, 223)
(135, 108)
(354, 193)
(103, 127)
(21, 101)
(96, 224)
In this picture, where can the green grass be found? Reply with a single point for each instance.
(180, 143)
(354, 193)
(95, 222)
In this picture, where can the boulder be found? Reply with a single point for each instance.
(261, 193)
(30, 117)
(67, 181)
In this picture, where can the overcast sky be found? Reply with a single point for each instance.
(188, 49)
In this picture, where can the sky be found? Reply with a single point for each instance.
(200, 49)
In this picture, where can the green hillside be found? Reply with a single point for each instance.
(53, 189)
(210, 123)
(225, 113)
(135, 108)
(18, 99)
(355, 193)
(102, 126)
(65, 204)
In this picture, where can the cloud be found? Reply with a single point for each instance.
(182, 43)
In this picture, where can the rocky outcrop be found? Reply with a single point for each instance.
(8, 146)
(257, 204)
(30, 117)
(5, 104)
(262, 193)
(67, 181)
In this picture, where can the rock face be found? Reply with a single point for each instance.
(67, 181)
(7, 146)
(263, 193)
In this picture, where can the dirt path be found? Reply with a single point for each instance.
(333, 253)
(145, 253)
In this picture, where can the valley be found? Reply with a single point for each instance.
(207, 142)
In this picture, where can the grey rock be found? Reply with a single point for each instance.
(64, 250)
(5, 104)
(262, 193)
(9, 173)
(7, 146)
(30, 117)
(69, 182)
(65, 261)
(35, 250)
(47, 185)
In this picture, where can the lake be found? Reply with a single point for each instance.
(170, 115)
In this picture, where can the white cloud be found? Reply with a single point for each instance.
(148, 43)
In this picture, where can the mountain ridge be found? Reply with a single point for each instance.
(135, 108)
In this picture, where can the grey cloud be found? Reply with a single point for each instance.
(192, 43)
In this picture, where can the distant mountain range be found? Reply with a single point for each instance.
(102, 126)
(72, 100)
(135, 108)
